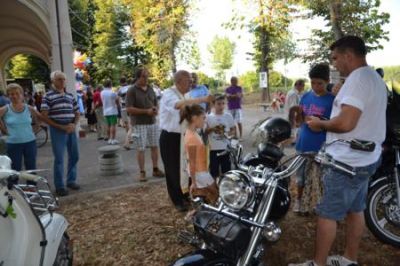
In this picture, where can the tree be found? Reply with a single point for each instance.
(158, 27)
(115, 50)
(270, 28)
(222, 51)
(188, 51)
(80, 14)
(360, 18)
(29, 66)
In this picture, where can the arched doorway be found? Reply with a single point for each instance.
(40, 28)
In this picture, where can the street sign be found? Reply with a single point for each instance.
(263, 80)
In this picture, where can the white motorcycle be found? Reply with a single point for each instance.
(31, 233)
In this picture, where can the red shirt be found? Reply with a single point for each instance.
(97, 99)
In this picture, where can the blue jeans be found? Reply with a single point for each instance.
(344, 194)
(60, 140)
(26, 150)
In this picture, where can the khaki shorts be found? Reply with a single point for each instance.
(145, 136)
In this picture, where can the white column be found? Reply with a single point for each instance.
(62, 52)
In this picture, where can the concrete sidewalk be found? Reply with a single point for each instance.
(88, 167)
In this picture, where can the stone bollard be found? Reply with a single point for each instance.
(110, 161)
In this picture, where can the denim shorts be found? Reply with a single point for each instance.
(343, 193)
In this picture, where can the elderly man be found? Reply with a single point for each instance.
(142, 106)
(60, 111)
(358, 113)
(170, 140)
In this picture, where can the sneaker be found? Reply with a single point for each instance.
(73, 186)
(114, 142)
(158, 173)
(142, 176)
(297, 206)
(307, 263)
(337, 260)
(110, 141)
(61, 192)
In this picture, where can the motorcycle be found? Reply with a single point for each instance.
(32, 233)
(382, 215)
(250, 205)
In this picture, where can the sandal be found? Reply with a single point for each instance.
(142, 176)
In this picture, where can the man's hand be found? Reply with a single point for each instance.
(70, 128)
(152, 111)
(209, 98)
(314, 123)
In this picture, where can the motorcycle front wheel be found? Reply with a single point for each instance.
(382, 214)
(64, 254)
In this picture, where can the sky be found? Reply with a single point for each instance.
(206, 21)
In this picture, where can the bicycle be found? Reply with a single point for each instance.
(42, 136)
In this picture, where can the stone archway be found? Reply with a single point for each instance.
(40, 28)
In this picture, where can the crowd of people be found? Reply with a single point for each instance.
(191, 126)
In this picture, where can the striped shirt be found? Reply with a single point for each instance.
(61, 107)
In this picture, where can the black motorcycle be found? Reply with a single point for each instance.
(382, 215)
(252, 200)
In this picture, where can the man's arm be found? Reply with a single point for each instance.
(183, 103)
(346, 121)
(47, 120)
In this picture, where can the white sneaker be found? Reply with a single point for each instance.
(110, 141)
(307, 263)
(337, 260)
(114, 142)
(297, 205)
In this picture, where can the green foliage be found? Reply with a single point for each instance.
(79, 13)
(188, 51)
(158, 26)
(222, 51)
(115, 51)
(211, 82)
(360, 18)
(250, 81)
(391, 72)
(28, 66)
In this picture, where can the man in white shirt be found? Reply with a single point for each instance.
(358, 113)
(294, 95)
(110, 110)
(171, 103)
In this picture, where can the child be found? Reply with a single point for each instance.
(218, 123)
(317, 102)
(203, 185)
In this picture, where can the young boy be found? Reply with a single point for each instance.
(218, 123)
(316, 102)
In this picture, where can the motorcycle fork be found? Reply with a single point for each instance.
(396, 175)
(261, 217)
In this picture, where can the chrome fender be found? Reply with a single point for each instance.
(376, 181)
(55, 227)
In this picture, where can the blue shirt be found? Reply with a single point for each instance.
(313, 105)
(19, 125)
(198, 92)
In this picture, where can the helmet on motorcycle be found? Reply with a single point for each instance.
(276, 130)
(269, 151)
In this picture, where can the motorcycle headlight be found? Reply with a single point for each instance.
(236, 190)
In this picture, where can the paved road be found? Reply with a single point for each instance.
(88, 167)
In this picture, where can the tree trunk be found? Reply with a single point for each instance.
(265, 96)
(335, 10)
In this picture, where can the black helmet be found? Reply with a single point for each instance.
(269, 151)
(276, 130)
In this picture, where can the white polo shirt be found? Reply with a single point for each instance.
(365, 90)
(169, 115)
